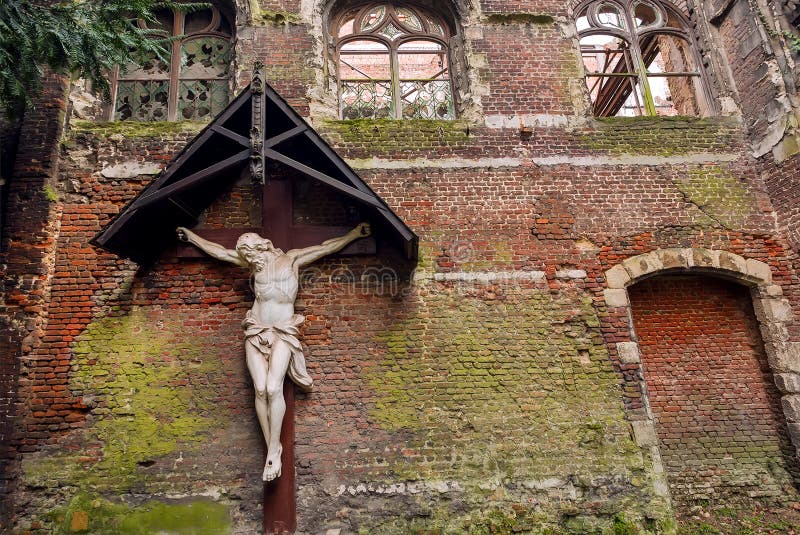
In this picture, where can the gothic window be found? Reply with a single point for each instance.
(192, 85)
(393, 62)
(640, 59)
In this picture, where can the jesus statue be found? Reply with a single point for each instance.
(271, 327)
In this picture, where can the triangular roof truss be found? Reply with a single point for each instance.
(257, 126)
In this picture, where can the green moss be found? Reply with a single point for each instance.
(519, 18)
(199, 517)
(50, 193)
(135, 129)
(276, 18)
(622, 526)
(718, 194)
(392, 135)
(142, 370)
(516, 364)
(661, 136)
(503, 396)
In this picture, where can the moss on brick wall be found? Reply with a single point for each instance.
(661, 136)
(90, 513)
(719, 194)
(389, 136)
(514, 398)
(134, 129)
(143, 377)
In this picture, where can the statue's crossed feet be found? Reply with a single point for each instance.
(272, 469)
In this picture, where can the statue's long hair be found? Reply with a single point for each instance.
(250, 241)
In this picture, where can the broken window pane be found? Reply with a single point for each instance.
(651, 70)
(424, 81)
(673, 78)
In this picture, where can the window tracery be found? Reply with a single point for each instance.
(640, 58)
(193, 85)
(393, 62)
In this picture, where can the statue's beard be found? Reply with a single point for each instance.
(258, 264)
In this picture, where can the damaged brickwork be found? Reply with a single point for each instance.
(507, 382)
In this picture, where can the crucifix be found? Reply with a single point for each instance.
(275, 254)
(272, 345)
(259, 126)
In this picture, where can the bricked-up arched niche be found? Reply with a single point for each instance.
(390, 55)
(720, 379)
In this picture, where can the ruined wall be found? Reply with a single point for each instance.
(482, 389)
(757, 42)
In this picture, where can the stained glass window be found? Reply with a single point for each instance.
(639, 59)
(194, 85)
(393, 62)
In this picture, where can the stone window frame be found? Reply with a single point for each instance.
(773, 313)
(445, 39)
(634, 34)
(220, 19)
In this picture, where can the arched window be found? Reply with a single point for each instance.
(393, 62)
(640, 59)
(194, 85)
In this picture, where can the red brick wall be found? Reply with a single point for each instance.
(717, 411)
(28, 240)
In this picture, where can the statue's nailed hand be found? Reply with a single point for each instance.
(364, 230)
(183, 233)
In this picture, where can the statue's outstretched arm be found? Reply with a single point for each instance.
(210, 248)
(308, 255)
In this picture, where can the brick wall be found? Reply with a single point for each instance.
(717, 411)
(29, 231)
(487, 393)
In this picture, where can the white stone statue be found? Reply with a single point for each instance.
(270, 327)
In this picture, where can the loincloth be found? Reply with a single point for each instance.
(263, 337)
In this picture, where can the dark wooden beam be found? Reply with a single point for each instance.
(192, 180)
(337, 161)
(230, 134)
(276, 214)
(280, 505)
(296, 131)
(325, 179)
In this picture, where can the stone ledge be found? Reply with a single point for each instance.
(617, 277)
(791, 407)
(784, 357)
(643, 264)
(758, 270)
(778, 310)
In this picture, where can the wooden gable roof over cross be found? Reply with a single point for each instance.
(258, 126)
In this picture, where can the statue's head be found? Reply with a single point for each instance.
(255, 249)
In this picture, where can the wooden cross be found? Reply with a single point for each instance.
(145, 228)
(280, 508)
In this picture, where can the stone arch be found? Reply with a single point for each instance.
(773, 313)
